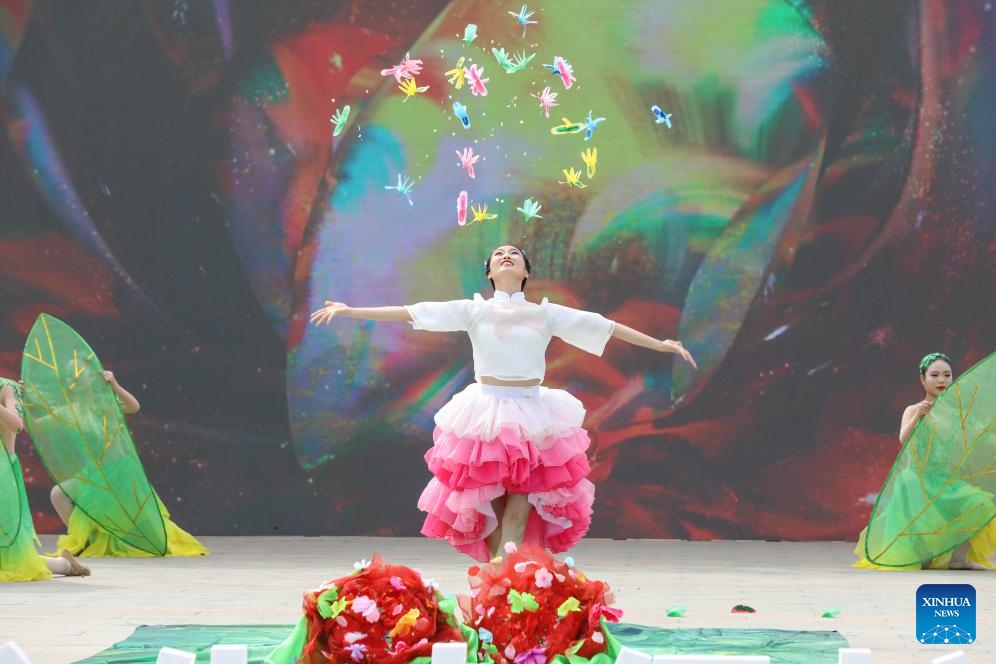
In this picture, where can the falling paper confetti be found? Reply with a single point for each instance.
(468, 159)
(562, 68)
(469, 33)
(460, 111)
(455, 75)
(403, 187)
(547, 100)
(662, 117)
(462, 208)
(573, 176)
(590, 159)
(480, 213)
(523, 17)
(339, 119)
(411, 88)
(590, 124)
(530, 209)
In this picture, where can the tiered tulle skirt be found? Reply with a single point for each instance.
(490, 441)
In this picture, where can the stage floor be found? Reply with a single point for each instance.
(259, 580)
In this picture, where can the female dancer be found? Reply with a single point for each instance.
(927, 497)
(87, 538)
(19, 561)
(509, 455)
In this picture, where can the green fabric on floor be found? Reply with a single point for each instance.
(783, 646)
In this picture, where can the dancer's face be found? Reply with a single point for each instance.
(937, 377)
(508, 260)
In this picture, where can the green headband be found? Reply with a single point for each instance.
(929, 358)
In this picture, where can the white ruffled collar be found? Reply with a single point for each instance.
(502, 296)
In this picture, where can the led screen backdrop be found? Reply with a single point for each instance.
(810, 209)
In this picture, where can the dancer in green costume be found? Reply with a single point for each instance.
(936, 509)
(19, 560)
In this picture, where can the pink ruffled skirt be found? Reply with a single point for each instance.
(492, 440)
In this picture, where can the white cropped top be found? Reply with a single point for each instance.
(509, 334)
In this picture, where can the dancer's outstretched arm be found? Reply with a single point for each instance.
(333, 309)
(637, 338)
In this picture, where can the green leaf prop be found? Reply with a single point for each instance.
(77, 426)
(939, 492)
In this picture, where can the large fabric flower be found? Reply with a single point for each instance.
(380, 613)
(533, 607)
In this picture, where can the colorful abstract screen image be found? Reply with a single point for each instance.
(799, 191)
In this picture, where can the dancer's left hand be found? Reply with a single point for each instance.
(676, 347)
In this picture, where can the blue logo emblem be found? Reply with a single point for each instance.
(945, 614)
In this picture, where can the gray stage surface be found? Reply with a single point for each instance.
(249, 580)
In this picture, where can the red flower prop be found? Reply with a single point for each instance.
(531, 607)
(380, 613)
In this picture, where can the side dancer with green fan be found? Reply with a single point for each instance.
(74, 413)
(19, 560)
(937, 506)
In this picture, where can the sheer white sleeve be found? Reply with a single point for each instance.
(451, 316)
(584, 329)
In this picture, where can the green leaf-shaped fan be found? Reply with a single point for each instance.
(939, 492)
(77, 426)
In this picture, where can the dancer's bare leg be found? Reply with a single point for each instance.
(60, 501)
(513, 521)
(494, 540)
(959, 559)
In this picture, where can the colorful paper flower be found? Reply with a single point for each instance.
(535, 656)
(367, 608)
(543, 578)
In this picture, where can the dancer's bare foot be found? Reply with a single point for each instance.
(965, 564)
(959, 559)
(76, 568)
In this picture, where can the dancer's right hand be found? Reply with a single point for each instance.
(328, 312)
(923, 408)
